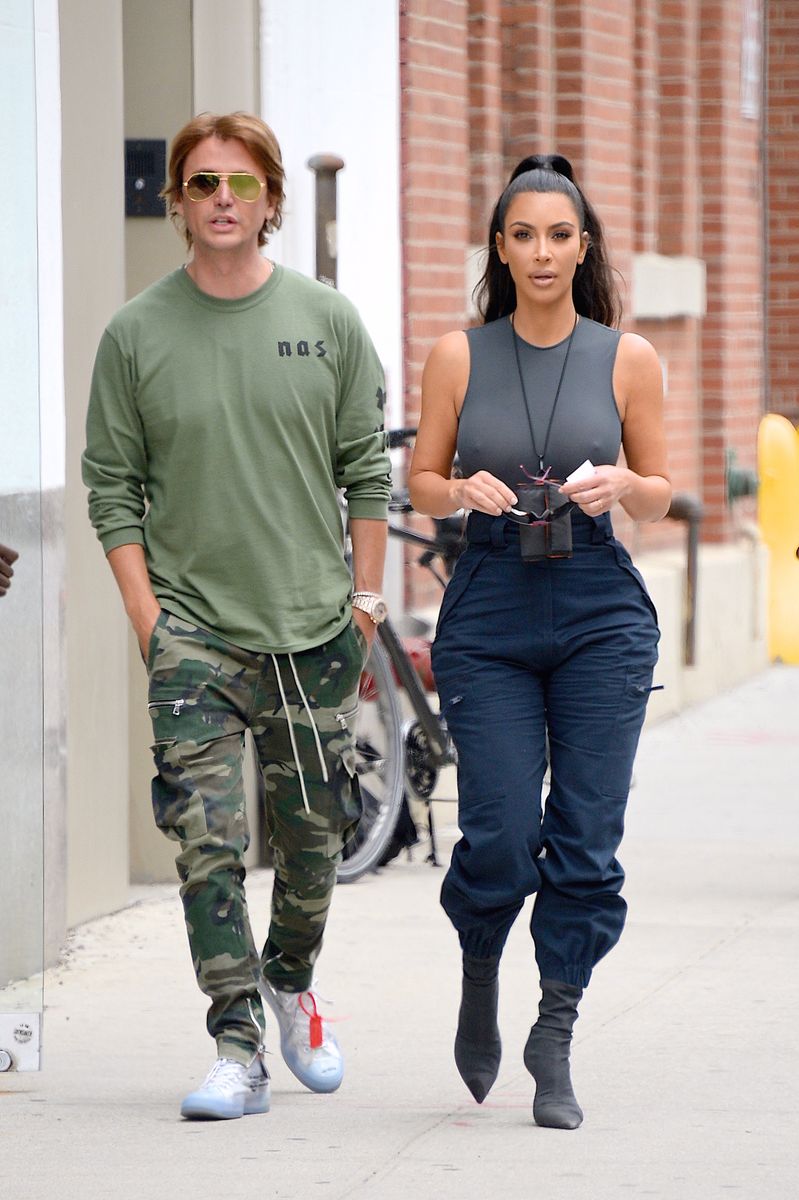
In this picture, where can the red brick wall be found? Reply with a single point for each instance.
(647, 131)
(672, 71)
(486, 113)
(731, 200)
(435, 158)
(677, 126)
(528, 63)
(436, 197)
(782, 149)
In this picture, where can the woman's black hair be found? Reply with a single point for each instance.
(594, 289)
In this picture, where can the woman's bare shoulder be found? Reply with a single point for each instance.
(635, 352)
(450, 350)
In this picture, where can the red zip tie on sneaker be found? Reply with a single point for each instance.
(315, 1020)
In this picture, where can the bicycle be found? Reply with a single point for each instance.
(396, 758)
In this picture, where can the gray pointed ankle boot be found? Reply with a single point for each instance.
(546, 1056)
(477, 1044)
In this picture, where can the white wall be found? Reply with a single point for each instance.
(330, 84)
(19, 443)
(94, 287)
(21, 623)
(51, 307)
(52, 434)
(31, 491)
(224, 55)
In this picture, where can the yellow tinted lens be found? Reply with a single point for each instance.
(244, 186)
(202, 185)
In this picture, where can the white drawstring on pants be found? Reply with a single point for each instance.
(322, 762)
(292, 739)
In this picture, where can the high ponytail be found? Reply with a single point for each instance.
(594, 289)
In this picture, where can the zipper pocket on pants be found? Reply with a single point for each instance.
(175, 705)
(344, 717)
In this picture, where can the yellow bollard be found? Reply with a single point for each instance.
(778, 517)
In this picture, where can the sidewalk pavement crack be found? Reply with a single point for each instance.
(397, 1157)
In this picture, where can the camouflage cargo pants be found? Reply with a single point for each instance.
(203, 694)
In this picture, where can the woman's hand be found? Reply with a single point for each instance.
(599, 492)
(483, 492)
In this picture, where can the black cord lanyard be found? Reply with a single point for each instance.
(516, 341)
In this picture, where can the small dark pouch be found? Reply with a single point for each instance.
(548, 531)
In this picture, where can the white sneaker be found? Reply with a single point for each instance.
(230, 1090)
(309, 1049)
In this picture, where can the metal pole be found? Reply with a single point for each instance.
(326, 167)
(688, 508)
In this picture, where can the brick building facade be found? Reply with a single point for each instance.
(782, 229)
(661, 107)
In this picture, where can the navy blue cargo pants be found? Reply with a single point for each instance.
(562, 651)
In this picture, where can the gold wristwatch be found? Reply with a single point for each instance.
(372, 603)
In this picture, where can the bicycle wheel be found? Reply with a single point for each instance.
(380, 764)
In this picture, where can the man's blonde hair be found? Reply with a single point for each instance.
(246, 128)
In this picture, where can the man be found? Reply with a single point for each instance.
(229, 402)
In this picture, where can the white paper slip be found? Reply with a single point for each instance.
(582, 472)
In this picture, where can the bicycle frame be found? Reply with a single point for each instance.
(381, 749)
(409, 679)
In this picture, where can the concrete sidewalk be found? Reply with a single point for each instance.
(686, 1055)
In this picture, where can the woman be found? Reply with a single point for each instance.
(541, 642)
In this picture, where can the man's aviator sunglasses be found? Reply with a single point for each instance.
(202, 185)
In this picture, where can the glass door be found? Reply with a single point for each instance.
(23, 524)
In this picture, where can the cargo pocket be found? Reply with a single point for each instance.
(347, 799)
(197, 793)
(344, 793)
(178, 808)
(622, 746)
(347, 719)
(165, 717)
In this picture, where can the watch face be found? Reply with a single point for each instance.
(379, 612)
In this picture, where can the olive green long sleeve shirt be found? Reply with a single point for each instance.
(218, 433)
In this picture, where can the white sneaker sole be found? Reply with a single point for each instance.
(197, 1107)
(313, 1080)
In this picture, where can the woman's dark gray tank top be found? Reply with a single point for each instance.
(494, 433)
